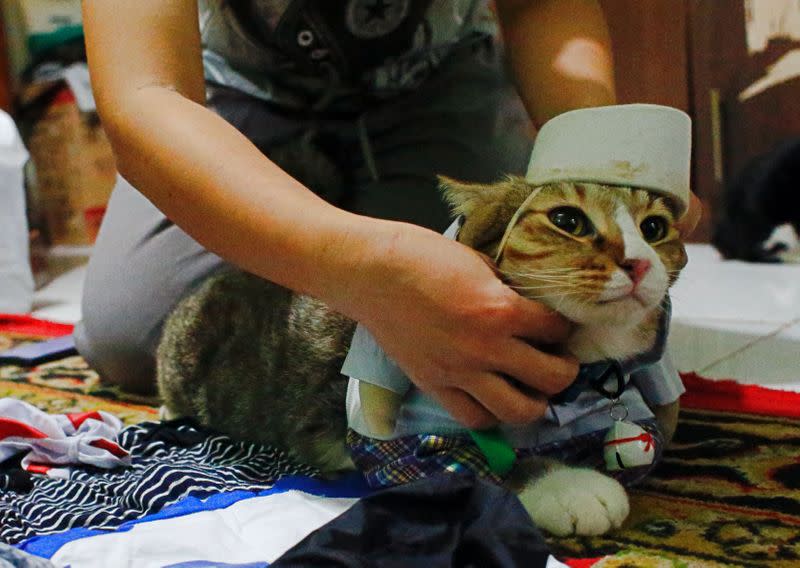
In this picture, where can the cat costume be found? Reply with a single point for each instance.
(426, 440)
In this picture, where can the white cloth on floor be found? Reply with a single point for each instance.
(59, 439)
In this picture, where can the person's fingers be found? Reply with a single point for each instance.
(687, 224)
(505, 401)
(464, 408)
(544, 372)
(538, 323)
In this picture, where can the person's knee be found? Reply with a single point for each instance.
(119, 348)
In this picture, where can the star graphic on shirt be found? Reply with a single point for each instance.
(377, 10)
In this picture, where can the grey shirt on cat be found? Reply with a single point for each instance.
(655, 384)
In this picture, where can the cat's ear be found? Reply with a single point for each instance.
(487, 208)
(464, 198)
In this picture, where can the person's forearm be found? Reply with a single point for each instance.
(560, 54)
(213, 182)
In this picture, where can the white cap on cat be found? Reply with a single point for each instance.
(639, 145)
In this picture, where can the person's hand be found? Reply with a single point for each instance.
(438, 309)
(688, 222)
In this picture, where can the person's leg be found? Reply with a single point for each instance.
(142, 264)
(466, 122)
(140, 267)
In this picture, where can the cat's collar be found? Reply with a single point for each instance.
(607, 377)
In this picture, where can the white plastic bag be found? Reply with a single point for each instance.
(16, 280)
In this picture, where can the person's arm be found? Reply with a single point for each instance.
(435, 306)
(146, 67)
(560, 54)
(561, 60)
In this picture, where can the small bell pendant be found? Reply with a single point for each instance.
(627, 444)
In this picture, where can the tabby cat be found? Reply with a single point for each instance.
(254, 360)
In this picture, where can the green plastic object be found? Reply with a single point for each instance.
(39, 43)
(497, 450)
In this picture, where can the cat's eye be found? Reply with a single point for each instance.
(572, 220)
(654, 228)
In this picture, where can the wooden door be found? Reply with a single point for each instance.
(745, 95)
(649, 38)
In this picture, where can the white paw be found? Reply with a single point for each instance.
(575, 501)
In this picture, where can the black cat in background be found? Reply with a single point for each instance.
(765, 195)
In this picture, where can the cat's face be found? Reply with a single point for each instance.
(597, 254)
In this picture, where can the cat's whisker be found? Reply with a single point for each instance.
(536, 296)
(554, 282)
(550, 296)
(546, 285)
(543, 276)
(544, 281)
(555, 268)
(543, 272)
(539, 288)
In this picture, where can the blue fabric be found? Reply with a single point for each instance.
(350, 486)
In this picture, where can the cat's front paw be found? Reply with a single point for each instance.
(571, 501)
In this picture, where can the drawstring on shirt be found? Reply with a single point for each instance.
(366, 147)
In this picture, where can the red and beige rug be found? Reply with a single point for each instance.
(726, 494)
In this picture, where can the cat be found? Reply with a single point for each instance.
(254, 360)
(761, 197)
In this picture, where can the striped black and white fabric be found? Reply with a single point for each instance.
(170, 461)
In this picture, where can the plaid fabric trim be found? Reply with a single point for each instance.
(385, 463)
(394, 462)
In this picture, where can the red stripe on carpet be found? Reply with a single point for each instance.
(789, 518)
(27, 325)
(730, 396)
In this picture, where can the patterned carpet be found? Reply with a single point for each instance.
(727, 493)
(68, 385)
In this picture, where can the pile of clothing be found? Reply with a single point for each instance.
(176, 494)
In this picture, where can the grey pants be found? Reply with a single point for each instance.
(465, 122)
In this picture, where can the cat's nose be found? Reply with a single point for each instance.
(635, 268)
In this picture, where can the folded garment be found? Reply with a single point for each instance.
(169, 462)
(51, 442)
